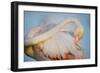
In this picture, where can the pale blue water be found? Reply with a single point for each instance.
(32, 19)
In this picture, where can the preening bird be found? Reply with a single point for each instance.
(61, 42)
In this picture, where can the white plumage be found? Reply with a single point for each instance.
(59, 43)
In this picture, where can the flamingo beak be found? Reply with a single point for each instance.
(78, 34)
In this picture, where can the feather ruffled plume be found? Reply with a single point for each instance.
(60, 42)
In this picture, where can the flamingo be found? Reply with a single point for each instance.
(62, 42)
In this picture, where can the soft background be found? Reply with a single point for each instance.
(34, 18)
(5, 17)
